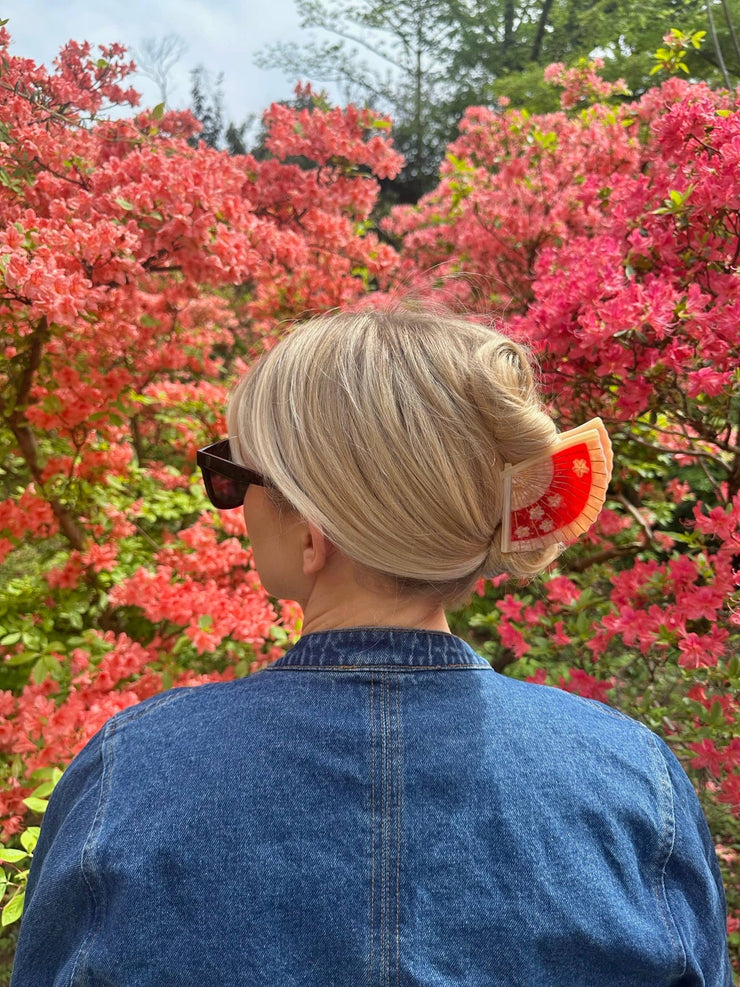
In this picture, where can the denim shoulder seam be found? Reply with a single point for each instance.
(615, 713)
(665, 851)
(88, 869)
(462, 666)
(142, 709)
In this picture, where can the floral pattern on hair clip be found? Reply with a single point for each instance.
(557, 496)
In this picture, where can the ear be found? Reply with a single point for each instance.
(316, 549)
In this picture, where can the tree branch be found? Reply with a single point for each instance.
(26, 439)
(693, 453)
(605, 555)
(647, 530)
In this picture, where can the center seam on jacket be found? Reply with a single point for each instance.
(398, 829)
(385, 834)
(372, 824)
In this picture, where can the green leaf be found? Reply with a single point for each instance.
(44, 790)
(10, 639)
(14, 909)
(12, 856)
(158, 111)
(48, 774)
(43, 774)
(52, 403)
(46, 667)
(30, 838)
(36, 805)
(22, 659)
(124, 204)
(715, 717)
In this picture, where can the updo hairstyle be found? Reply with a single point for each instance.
(389, 431)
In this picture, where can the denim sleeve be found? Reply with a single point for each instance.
(693, 887)
(59, 909)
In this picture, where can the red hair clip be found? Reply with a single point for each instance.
(557, 496)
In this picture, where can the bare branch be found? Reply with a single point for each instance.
(156, 57)
(630, 507)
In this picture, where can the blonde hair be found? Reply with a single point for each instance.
(389, 431)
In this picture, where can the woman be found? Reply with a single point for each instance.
(379, 806)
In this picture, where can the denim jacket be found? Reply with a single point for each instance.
(378, 807)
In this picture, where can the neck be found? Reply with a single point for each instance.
(330, 620)
(343, 601)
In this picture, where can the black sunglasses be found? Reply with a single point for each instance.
(226, 481)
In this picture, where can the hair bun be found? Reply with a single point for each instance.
(389, 430)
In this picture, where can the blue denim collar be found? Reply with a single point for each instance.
(373, 647)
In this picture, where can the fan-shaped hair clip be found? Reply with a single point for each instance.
(557, 496)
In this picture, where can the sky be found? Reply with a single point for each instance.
(222, 35)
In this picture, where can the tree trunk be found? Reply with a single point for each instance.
(541, 25)
(715, 42)
(418, 96)
(508, 24)
(733, 33)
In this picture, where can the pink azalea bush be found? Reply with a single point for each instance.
(609, 239)
(139, 276)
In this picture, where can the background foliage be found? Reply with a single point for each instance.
(424, 62)
(140, 272)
